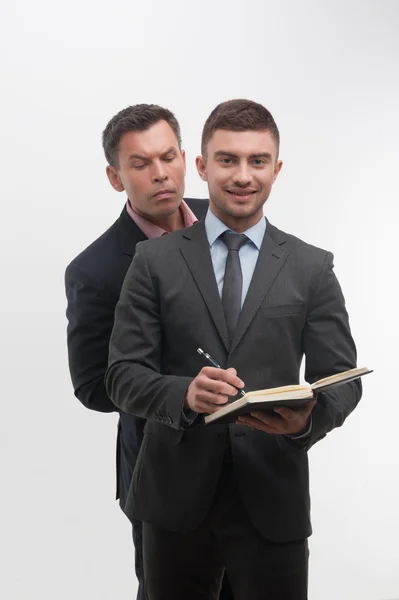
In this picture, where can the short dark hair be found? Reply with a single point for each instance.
(138, 117)
(239, 115)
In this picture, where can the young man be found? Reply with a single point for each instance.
(232, 497)
(142, 145)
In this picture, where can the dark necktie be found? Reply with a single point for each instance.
(232, 284)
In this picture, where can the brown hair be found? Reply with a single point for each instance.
(138, 117)
(239, 115)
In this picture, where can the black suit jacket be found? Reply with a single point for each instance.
(93, 281)
(170, 306)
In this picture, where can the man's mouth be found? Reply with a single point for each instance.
(240, 193)
(164, 193)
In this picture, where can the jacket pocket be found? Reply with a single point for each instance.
(281, 310)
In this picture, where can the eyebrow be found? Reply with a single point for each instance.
(137, 156)
(146, 158)
(220, 153)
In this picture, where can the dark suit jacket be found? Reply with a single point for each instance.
(170, 306)
(93, 281)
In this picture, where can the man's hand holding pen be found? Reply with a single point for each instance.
(211, 389)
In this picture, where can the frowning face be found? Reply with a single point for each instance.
(151, 169)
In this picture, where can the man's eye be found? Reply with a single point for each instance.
(169, 158)
(258, 162)
(139, 166)
(226, 161)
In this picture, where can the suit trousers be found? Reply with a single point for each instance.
(191, 566)
(137, 531)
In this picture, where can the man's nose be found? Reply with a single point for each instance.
(242, 175)
(159, 173)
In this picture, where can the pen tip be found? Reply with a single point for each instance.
(200, 351)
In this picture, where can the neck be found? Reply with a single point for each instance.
(171, 222)
(168, 223)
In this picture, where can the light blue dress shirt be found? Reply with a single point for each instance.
(248, 253)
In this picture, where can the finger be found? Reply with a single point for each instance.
(277, 427)
(286, 413)
(206, 407)
(209, 408)
(211, 372)
(215, 386)
(252, 419)
(204, 384)
(214, 372)
(256, 424)
(268, 419)
(208, 397)
(227, 375)
(293, 414)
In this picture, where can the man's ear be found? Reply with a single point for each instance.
(114, 179)
(277, 169)
(201, 167)
(183, 155)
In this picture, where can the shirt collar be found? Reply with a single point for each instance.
(214, 227)
(153, 231)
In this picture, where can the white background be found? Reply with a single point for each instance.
(329, 74)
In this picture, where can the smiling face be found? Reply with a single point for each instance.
(151, 169)
(240, 168)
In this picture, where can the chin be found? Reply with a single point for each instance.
(166, 208)
(241, 212)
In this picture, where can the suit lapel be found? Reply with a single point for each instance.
(270, 261)
(195, 251)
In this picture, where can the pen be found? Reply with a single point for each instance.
(213, 362)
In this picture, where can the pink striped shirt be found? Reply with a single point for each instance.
(153, 231)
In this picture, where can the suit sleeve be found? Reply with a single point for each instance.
(90, 314)
(134, 380)
(329, 348)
